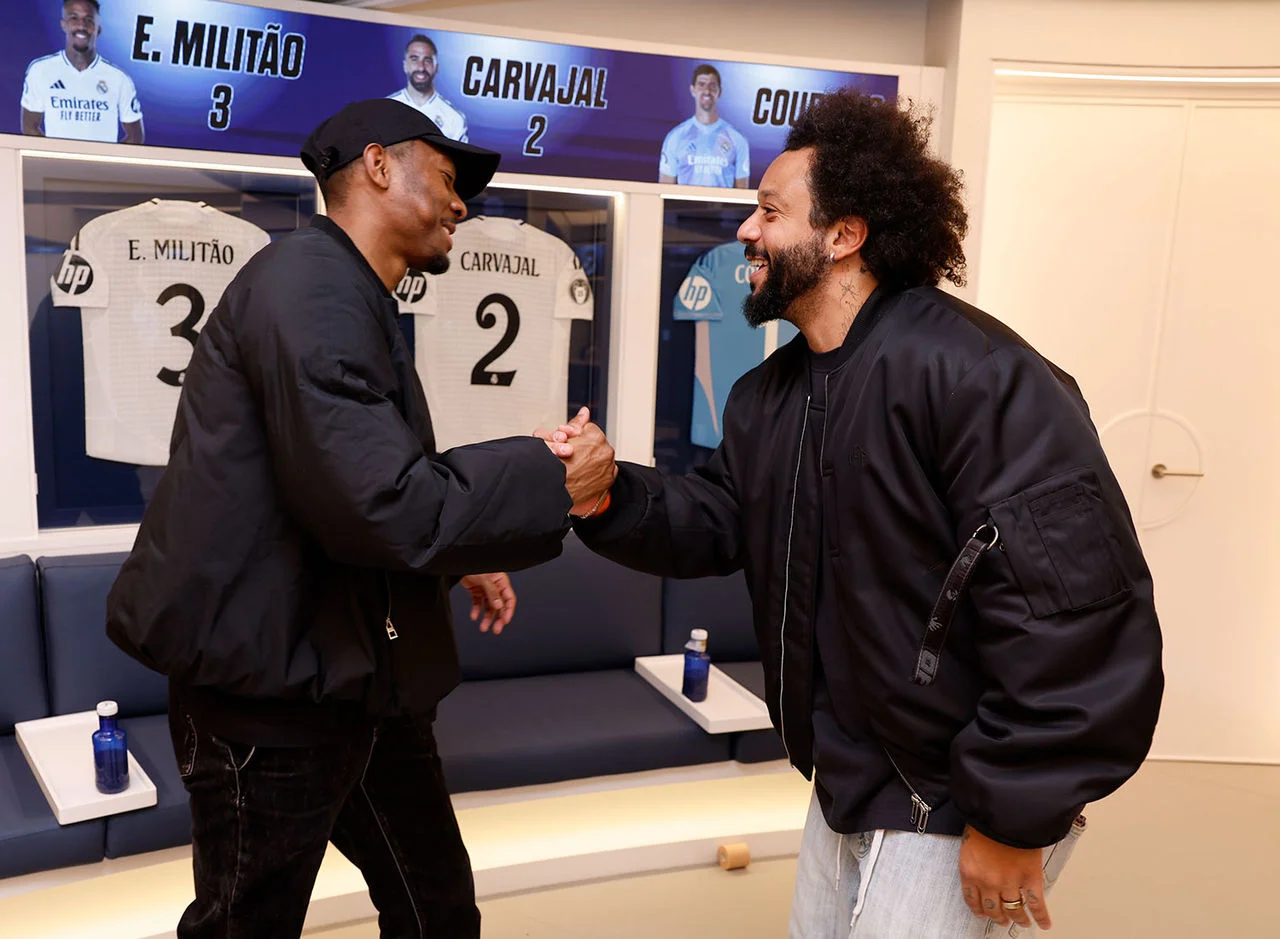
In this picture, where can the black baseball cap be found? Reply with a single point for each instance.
(341, 139)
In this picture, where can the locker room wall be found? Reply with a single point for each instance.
(895, 43)
(969, 36)
(972, 37)
(858, 30)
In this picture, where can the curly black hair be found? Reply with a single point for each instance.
(871, 160)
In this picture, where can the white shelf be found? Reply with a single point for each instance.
(60, 753)
(728, 708)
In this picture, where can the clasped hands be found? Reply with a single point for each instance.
(589, 471)
(589, 467)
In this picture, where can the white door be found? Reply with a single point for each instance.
(1129, 240)
(1219, 372)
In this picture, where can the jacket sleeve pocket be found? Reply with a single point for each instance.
(1058, 536)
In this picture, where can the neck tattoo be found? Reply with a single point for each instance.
(848, 292)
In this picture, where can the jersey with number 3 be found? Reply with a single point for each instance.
(144, 279)
(491, 335)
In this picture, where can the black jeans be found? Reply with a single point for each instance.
(262, 816)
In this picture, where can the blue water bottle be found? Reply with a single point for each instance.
(110, 751)
(697, 666)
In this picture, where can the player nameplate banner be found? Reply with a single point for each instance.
(211, 75)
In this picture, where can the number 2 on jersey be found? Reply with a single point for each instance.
(480, 374)
(184, 330)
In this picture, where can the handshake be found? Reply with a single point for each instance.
(588, 462)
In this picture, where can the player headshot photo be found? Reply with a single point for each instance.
(705, 150)
(76, 93)
(421, 63)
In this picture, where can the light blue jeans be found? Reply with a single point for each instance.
(892, 885)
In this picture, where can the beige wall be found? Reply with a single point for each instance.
(854, 30)
(1170, 34)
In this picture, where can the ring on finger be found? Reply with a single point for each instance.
(1012, 905)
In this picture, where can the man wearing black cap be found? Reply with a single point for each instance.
(291, 574)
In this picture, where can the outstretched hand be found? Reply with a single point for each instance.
(491, 597)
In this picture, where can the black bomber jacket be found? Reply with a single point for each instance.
(302, 540)
(940, 421)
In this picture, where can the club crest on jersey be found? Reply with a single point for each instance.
(579, 290)
(74, 276)
(412, 286)
(102, 87)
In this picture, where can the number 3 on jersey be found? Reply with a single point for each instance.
(480, 374)
(184, 330)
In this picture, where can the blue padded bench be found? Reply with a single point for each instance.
(30, 837)
(556, 696)
(85, 667)
(722, 606)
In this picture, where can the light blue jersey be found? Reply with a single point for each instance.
(705, 154)
(727, 347)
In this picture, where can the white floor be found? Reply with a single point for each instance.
(1185, 851)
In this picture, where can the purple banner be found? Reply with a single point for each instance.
(210, 75)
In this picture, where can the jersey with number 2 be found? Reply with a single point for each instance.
(491, 335)
(144, 279)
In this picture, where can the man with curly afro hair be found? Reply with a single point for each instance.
(955, 618)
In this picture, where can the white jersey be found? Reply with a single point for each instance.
(491, 335)
(144, 279)
(451, 121)
(81, 105)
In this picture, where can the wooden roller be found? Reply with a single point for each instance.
(731, 857)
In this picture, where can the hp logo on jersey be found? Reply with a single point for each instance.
(412, 287)
(695, 293)
(74, 276)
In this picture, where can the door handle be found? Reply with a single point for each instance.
(1160, 471)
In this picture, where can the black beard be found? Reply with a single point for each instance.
(421, 87)
(793, 272)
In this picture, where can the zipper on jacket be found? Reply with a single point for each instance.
(920, 809)
(786, 586)
(391, 627)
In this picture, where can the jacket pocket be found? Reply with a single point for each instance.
(1058, 536)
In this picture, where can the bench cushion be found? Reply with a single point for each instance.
(30, 837)
(24, 696)
(167, 823)
(548, 728)
(721, 606)
(576, 613)
(85, 667)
